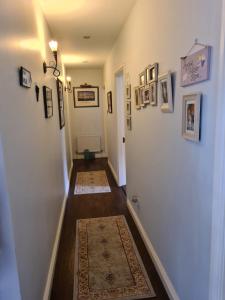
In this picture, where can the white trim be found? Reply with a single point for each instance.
(217, 263)
(155, 258)
(113, 171)
(48, 285)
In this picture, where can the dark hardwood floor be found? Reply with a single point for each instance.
(87, 206)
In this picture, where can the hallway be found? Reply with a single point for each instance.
(92, 206)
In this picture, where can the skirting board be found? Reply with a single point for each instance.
(113, 172)
(158, 265)
(48, 285)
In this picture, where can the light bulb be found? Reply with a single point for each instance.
(53, 45)
(68, 78)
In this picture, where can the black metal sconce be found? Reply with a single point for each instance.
(53, 64)
(68, 84)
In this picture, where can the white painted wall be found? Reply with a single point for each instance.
(87, 121)
(36, 160)
(173, 177)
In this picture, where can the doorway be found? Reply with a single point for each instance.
(120, 105)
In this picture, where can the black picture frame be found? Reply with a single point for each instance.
(25, 78)
(86, 96)
(109, 101)
(48, 103)
(59, 86)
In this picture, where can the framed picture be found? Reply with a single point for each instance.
(137, 97)
(153, 93)
(129, 123)
(165, 93)
(86, 96)
(109, 101)
(152, 73)
(191, 117)
(128, 108)
(25, 77)
(128, 91)
(142, 96)
(59, 86)
(195, 68)
(146, 95)
(48, 103)
(142, 78)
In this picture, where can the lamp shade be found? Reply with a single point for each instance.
(53, 45)
(68, 78)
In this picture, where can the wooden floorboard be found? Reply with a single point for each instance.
(88, 206)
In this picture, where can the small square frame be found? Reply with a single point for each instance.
(153, 93)
(142, 78)
(152, 73)
(128, 108)
(165, 93)
(25, 77)
(128, 91)
(129, 123)
(48, 103)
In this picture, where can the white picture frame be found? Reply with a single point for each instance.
(137, 97)
(142, 96)
(128, 108)
(146, 99)
(128, 91)
(153, 93)
(165, 96)
(191, 116)
(129, 123)
(152, 73)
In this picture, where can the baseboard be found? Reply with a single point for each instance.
(48, 285)
(97, 155)
(155, 258)
(113, 172)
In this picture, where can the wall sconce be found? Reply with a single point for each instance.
(52, 64)
(68, 84)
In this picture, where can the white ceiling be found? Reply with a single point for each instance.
(70, 20)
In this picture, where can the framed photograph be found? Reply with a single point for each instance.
(86, 96)
(195, 68)
(109, 101)
(142, 78)
(142, 96)
(129, 123)
(165, 93)
(59, 86)
(152, 73)
(128, 91)
(128, 108)
(191, 117)
(25, 77)
(146, 95)
(153, 93)
(137, 97)
(48, 103)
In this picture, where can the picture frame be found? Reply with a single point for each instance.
(153, 93)
(129, 123)
(142, 96)
(128, 108)
(25, 78)
(85, 97)
(59, 86)
(165, 96)
(109, 101)
(146, 96)
(48, 103)
(152, 73)
(142, 78)
(191, 116)
(137, 97)
(128, 91)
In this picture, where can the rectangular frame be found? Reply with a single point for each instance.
(165, 93)
(87, 93)
(48, 103)
(25, 77)
(191, 116)
(137, 97)
(128, 108)
(129, 123)
(59, 86)
(152, 73)
(109, 102)
(128, 91)
(153, 93)
(142, 78)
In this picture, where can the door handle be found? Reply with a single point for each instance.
(124, 140)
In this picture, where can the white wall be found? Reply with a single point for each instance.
(35, 157)
(87, 121)
(171, 176)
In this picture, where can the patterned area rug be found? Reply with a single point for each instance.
(107, 265)
(91, 183)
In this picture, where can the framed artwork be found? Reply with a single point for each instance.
(128, 91)
(195, 68)
(137, 97)
(142, 96)
(86, 96)
(48, 103)
(165, 93)
(25, 77)
(152, 73)
(142, 78)
(109, 101)
(59, 86)
(146, 95)
(153, 93)
(128, 108)
(191, 117)
(129, 123)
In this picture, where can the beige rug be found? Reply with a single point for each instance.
(91, 183)
(107, 265)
